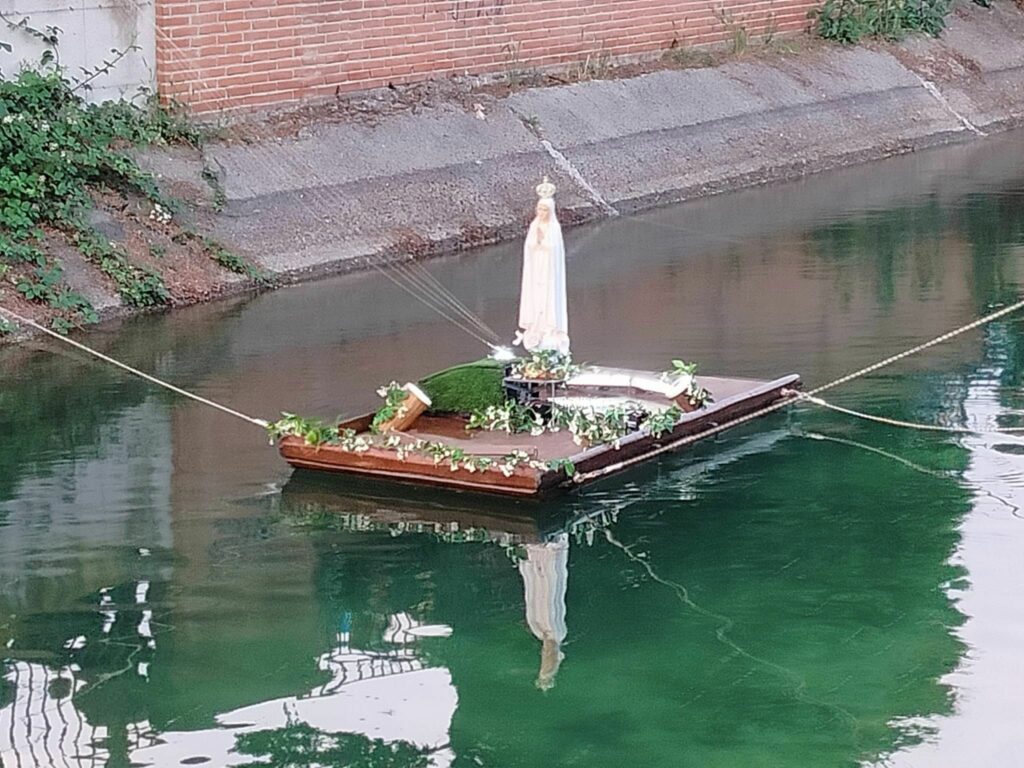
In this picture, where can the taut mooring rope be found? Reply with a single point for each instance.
(582, 477)
(787, 399)
(919, 348)
(907, 424)
(135, 371)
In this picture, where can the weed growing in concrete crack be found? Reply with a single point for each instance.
(686, 57)
(220, 197)
(770, 31)
(515, 75)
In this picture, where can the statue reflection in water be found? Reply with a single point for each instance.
(384, 691)
(545, 572)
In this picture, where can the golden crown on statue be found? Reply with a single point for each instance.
(546, 189)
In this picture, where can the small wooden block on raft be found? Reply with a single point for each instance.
(415, 403)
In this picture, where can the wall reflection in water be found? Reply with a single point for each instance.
(387, 696)
(311, 622)
(388, 693)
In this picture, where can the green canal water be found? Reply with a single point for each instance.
(807, 591)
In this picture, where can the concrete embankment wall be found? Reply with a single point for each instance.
(448, 176)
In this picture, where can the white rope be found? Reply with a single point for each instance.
(907, 424)
(409, 284)
(135, 371)
(791, 396)
(439, 294)
(430, 282)
(439, 310)
(919, 348)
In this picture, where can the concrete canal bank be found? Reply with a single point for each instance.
(432, 169)
(459, 172)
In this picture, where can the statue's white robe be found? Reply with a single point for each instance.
(543, 306)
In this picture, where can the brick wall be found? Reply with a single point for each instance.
(227, 54)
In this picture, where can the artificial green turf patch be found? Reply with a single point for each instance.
(465, 388)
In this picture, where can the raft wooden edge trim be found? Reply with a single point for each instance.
(411, 477)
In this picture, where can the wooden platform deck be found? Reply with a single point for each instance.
(733, 397)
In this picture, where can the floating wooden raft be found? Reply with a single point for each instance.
(732, 398)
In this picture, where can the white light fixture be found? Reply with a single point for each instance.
(502, 354)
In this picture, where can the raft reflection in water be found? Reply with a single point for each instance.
(367, 662)
(535, 539)
(395, 699)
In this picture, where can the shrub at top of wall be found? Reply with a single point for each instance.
(848, 21)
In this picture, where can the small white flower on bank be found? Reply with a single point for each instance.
(160, 214)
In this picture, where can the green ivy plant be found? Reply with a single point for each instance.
(56, 148)
(849, 21)
(510, 417)
(548, 364)
(394, 399)
(316, 433)
(233, 262)
(312, 431)
(562, 465)
(683, 368)
(589, 426)
(695, 394)
(663, 421)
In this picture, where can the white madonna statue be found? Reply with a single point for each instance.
(543, 312)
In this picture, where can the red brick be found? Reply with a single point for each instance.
(265, 52)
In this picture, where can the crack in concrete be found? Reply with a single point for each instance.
(564, 164)
(532, 124)
(934, 91)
